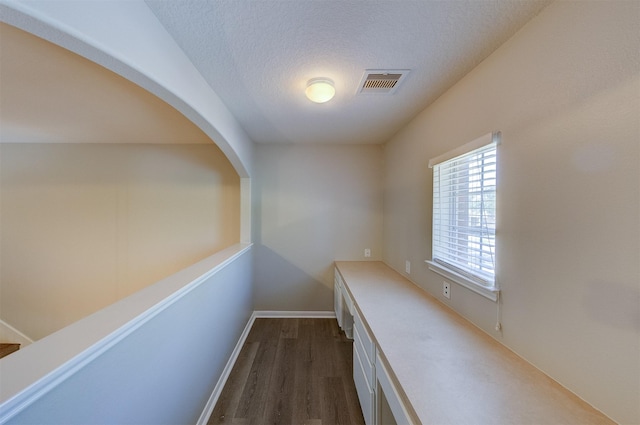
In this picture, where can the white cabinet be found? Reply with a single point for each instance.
(379, 398)
(389, 407)
(364, 371)
(343, 305)
(337, 298)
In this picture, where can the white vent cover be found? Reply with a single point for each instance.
(381, 81)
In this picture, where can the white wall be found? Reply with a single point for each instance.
(565, 92)
(312, 205)
(83, 226)
(152, 358)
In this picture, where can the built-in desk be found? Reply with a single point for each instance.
(442, 368)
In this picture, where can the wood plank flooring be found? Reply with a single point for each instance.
(8, 348)
(293, 372)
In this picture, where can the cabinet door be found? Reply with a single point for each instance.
(346, 299)
(364, 388)
(337, 301)
(347, 308)
(368, 363)
(366, 340)
(387, 390)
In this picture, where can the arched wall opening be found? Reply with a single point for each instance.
(104, 188)
(127, 38)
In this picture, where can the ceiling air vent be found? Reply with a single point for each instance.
(381, 81)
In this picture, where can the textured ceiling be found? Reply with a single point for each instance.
(259, 55)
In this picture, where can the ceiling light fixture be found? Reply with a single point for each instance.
(320, 90)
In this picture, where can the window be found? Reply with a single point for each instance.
(464, 215)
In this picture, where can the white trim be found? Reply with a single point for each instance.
(294, 314)
(271, 314)
(19, 334)
(467, 147)
(490, 293)
(32, 392)
(222, 381)
(245, 210)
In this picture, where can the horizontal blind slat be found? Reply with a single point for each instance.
(464, 193)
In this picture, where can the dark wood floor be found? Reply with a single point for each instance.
(293, 372)
(8, 348)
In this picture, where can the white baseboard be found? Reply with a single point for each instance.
(213, 399)
(217, 390)
(295, 314)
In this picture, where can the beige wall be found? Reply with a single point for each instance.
(312, 205)
(83, 225)
(565, 92)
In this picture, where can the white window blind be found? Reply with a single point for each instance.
(464, 211)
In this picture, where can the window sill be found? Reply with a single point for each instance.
(490, 293)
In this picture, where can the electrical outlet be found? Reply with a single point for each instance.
(407, 267)
(367, 252)
(446, 290)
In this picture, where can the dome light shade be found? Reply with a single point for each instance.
(320, 90)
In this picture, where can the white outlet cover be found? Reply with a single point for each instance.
(407, 267)
(446, 289)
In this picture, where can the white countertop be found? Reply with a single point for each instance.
(447, 370)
